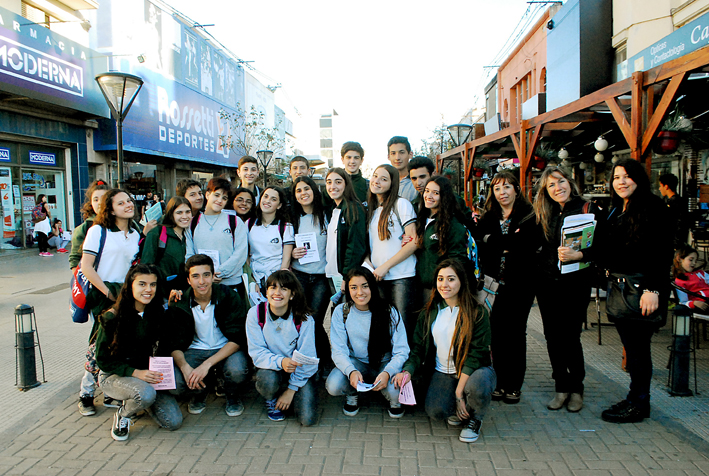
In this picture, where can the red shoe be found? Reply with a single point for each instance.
(61, 250)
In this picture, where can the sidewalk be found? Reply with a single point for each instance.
(42, 433)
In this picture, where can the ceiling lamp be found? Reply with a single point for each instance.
(563, 153)
(598, 157)
(601, 144)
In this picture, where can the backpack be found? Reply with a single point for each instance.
(38, 214)
(281, 226)
(261, 312)
(232, 226)
(80, 286)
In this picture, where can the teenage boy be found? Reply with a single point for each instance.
(219, 235)
(192, 191)
(421, 169)
(207, 331)
(248, 174)
(400, 153)
(677, 206)
(299, 167)
(352, 155)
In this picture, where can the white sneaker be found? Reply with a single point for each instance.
(471, 431)
(453, 420)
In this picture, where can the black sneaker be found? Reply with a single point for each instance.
(396, 411)
(121, 427)
(471, 431)
(351, 407)
(197, 404)
(234, 407)
(625, 412)
(86, 405)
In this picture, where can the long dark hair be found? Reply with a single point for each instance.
(544, 204)
(169, 219)
(297, 208)
(254, 205)
(492, 205)
(388, 203)
(124, 308)
(87, 210)
(349, 195)
(638, 201)
(447, 207)
(105, 217)
(383, 324)
(469, 313)
(677, 269)
(298, 305)
(282, 213)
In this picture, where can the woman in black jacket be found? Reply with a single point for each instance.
(505, 235)
(639, 248)
(563, 299)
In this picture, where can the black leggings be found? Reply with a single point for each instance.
(42, 242)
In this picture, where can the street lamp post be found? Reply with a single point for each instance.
(264, 157)
(459, 133)
(119, 90)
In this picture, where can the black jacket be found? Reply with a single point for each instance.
(517, 246)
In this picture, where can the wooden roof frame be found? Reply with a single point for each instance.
(639, 130)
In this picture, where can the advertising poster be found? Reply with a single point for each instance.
(8, 208)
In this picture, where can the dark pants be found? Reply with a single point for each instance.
(234, 369)
(305, 404)
(563, 303)
(317, 295)
(636, 336)
(42, 242)
(401, 293)
(508, 326)
(440, 398)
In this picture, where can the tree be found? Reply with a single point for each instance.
(246, 132)
(437, 143)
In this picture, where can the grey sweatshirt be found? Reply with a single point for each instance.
(268, 346)
(352, 342)
(232, 252)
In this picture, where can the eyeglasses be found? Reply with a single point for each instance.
(244, 200)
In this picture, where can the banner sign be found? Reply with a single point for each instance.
(690, 37)
(40, 64)
(43, 158)
(4, 155)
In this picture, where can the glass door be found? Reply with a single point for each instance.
(10, 209)
(36, 182)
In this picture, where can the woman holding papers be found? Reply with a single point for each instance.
(368, 344)
(452, 345)
(389, 218)
(281, 338)
(166, 246)
(310, 227)
(346, 229)
(128, 332)
(639, 252)
(505, 235)
(271, 238)
(563, 299)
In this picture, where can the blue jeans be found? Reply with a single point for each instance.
(305, 404)
(139, 395)
(317, 295)
(234, 369)
(440, 399)
(338, 384)
(401, 293)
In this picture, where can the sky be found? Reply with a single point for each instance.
(387, 67)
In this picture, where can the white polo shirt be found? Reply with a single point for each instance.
(117, 255)
(382, 251)
(266, 248)
(207, 335)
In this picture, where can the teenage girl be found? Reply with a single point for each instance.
(389, 218)
(452, 346)
(275, 330)
(346, 229)
(43, 229)
(57, 237)
(691, 279)
(89, 210)
(309, 217)
(441, 235)
(128, 332)
(368, 343)
(244, 204)
(166, 245)
(271, 238)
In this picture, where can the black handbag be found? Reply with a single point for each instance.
(623, 299)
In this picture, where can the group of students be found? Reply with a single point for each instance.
(401, 256)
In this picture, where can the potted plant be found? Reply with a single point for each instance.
(668, 139)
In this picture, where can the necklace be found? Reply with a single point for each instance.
(211, 225)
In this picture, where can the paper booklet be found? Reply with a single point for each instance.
(577, 233)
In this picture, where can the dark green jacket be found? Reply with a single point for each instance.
(423, 349)
(172, 262)
(427, 256)
(140, 334)
(229, 312)
(351, 240)
(77, 242)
